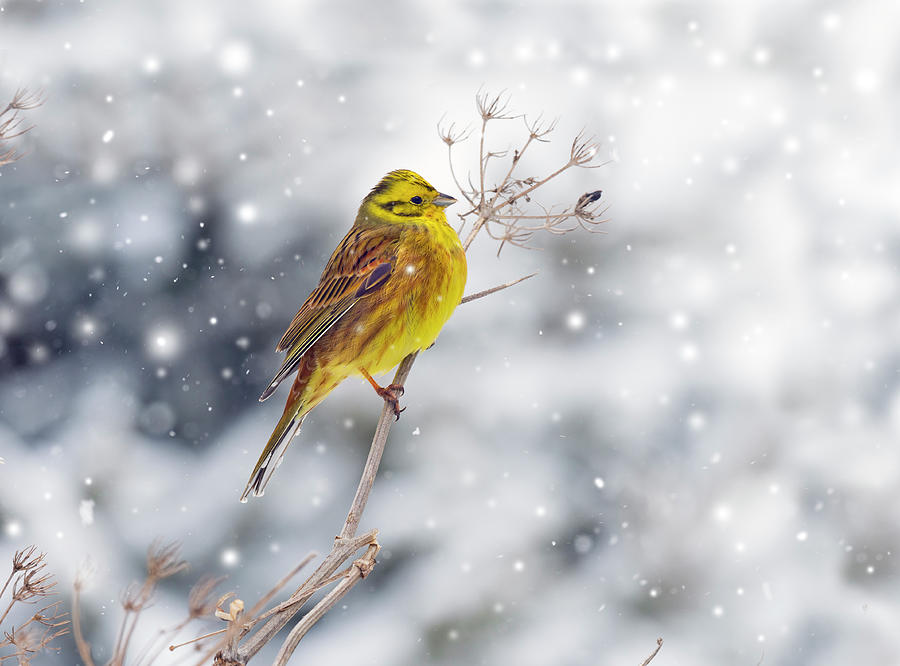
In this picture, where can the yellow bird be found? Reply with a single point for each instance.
(386, 292)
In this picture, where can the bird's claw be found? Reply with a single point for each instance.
(391, 395)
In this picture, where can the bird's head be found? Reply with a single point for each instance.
(404, 196)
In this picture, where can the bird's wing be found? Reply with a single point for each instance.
(362, 263)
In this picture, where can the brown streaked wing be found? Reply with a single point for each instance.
(357, 254)
(360, 265)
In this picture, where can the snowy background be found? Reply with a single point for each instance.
(687, 427)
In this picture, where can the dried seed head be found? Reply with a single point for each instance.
(134, 597)
(84, 573)
(163, 560)
(200, 602)
(27, 641)
(10, 121)
(450, 134)
(52, 616)
(584, 151)
(25, 99)
(539, 128)
(26, 559)
(31, 584)
(493, 108)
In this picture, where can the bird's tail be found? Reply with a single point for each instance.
(311, 385)
(271, 456)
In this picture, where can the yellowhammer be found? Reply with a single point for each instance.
(387, 290)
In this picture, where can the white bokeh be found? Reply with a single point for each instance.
(686, 427)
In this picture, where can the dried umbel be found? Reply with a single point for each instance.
(200, 600)
(505, 207)
(28, 581)
(164, 560)
(28, 577)
(11, 121)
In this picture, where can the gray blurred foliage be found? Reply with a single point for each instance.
(685, 428)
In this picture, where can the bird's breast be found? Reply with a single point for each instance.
(426, 287)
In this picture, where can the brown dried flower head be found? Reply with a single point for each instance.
(200, 602)
(164, 560)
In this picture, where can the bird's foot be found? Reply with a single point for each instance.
(391, 395)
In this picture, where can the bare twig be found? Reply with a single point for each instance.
(659, 643)
(375, 453)
(494, 290)
(175, 646)
(451, 135)
(280, 584)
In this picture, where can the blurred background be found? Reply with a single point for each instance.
(686, 427)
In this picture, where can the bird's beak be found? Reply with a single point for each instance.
(443, 200)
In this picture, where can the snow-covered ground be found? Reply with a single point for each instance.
(687, 427)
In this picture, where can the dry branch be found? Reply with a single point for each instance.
(494, 290)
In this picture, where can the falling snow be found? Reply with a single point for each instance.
(689, 420)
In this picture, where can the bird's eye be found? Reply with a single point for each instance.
(416, 200)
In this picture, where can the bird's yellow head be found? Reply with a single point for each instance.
(405, 197)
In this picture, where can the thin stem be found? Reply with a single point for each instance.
(84, 648)
(172, 648)
(481, 162)
(6, 612)
(116, 658)
(259, 605)
(537, 184)
(512, 165)
(128, 635)
(375, 453)
(493, 290)
(479, 223)
(6, 584)
(465, 192)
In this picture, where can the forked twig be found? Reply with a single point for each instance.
(358, 571)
